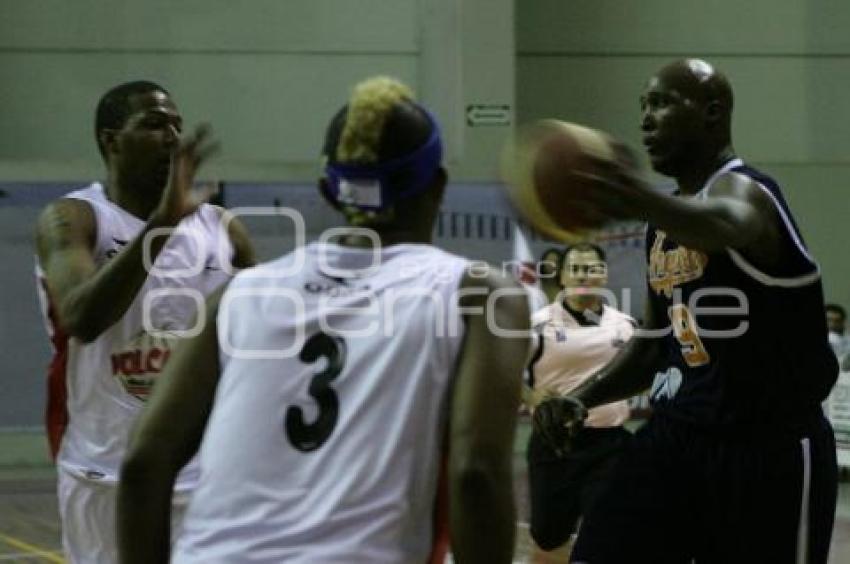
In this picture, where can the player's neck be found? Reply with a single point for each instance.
(135, 200)
(694, 178)
(406, 236)
(576, 305)
(387, 238)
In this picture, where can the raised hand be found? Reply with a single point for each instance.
(180, 198)
(558, 420)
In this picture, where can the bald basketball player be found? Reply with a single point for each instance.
(737, 464)
(324, 430)
(111, 341)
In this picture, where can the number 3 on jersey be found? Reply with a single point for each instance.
(684, 328)
(308, 437)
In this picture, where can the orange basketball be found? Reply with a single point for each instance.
(542, 168)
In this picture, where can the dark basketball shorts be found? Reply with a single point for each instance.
(680, 495)
(562, 489)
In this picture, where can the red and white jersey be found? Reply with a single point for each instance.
(326, 437)
(97, 389)
(573, 352)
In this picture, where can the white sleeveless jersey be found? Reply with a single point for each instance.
(105, 382)
(571, 353)
(325, 441)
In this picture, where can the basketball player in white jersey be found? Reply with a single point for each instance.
(112, 319)
(577, 335)
(329, 383)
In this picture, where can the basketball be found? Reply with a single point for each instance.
(543, 170)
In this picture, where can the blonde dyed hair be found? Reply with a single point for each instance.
(368, 109)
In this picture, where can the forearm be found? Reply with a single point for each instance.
(96, 304)
(483, 516)
(166, 436)
(709, 225)
(144, 513)
(630, 373)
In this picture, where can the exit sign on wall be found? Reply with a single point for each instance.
(488, 115)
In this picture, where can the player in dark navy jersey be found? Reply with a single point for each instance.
(737, 464)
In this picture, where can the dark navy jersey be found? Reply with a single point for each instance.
(742, 345)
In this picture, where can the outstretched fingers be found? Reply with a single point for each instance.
(199, 146)
(181, 197)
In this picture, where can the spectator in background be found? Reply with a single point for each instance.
(549, 269)
(836, 318)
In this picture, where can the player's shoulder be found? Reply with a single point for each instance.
(209, 215)
(486, 290)
(217, 213)
(422, 265)
(757, 175)
(745, 188)
(89, 205)
(736, 184)
(82, 199)
(69, 205)
(273, 272)
(485, 276)
(66, 221)
(428, 253)
(94, 192)
(746, 183)
(68, 212)
(482, 282)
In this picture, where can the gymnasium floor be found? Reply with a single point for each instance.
(29, 526)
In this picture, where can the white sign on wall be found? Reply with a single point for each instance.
(488, 115)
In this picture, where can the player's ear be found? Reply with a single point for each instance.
(108, 139)
(714, 111)
(441, 178)
(325, 191)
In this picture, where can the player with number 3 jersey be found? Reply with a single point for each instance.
(331, 385)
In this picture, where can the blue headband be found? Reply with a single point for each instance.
(367, 186)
